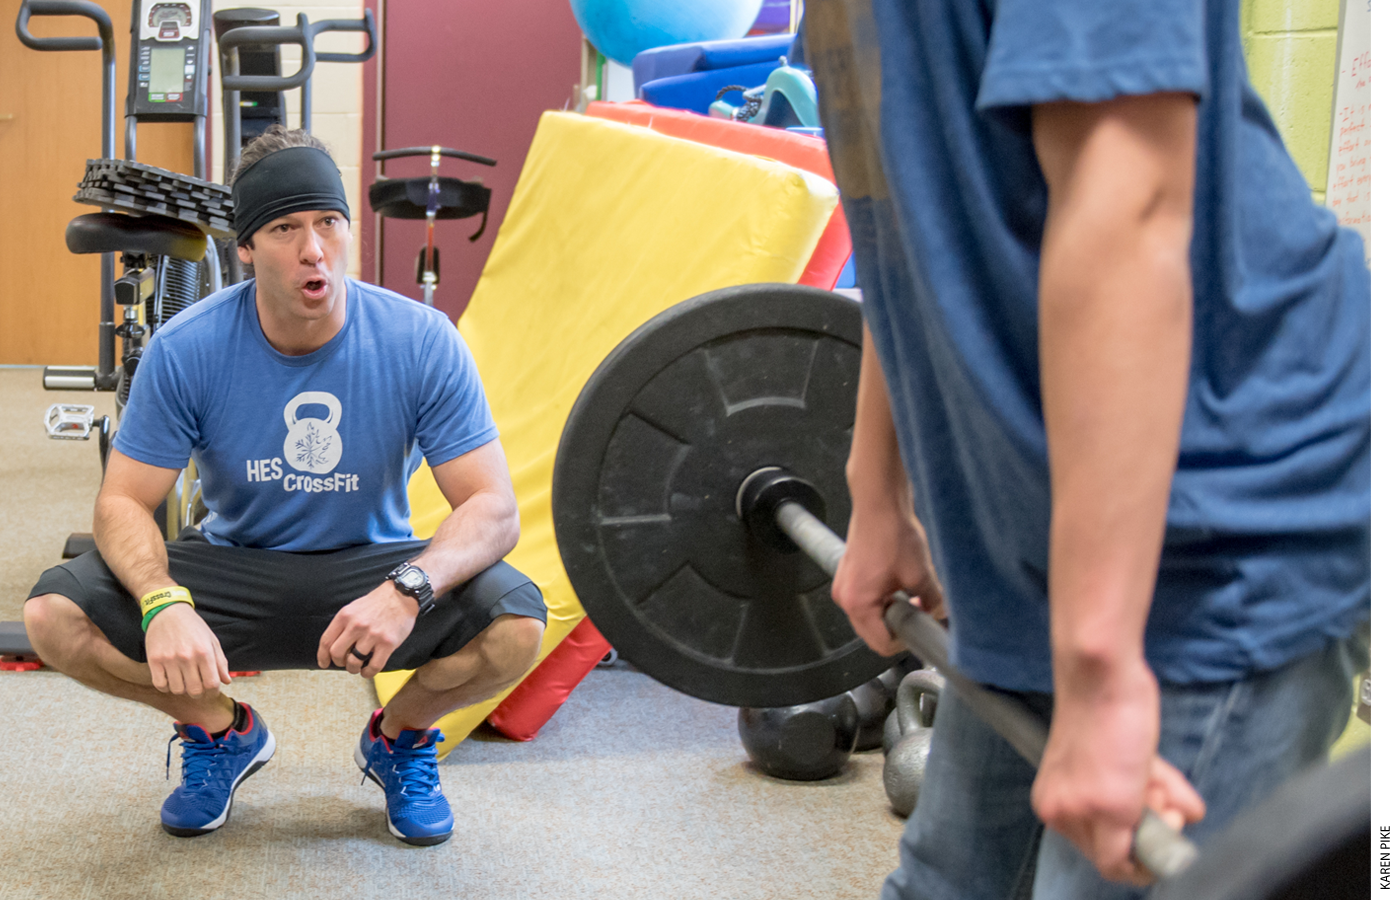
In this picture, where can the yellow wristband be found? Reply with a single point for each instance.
(164, 596)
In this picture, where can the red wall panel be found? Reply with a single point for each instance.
(474, 75)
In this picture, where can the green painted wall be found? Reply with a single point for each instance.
(1291, 49)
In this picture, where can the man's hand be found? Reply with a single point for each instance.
(374, 625)
(1100, 770)
(886, 551)
(184, 655)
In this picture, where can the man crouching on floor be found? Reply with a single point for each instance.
(306, 399)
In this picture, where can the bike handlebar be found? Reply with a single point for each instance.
(105, 40)
(366, 25)
(427, 151)
(250, 35)
(303, 34)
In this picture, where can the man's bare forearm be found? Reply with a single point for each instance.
(130, 543)
(475, 536)
(886, 548)
(1113, 416)
(1115, 333)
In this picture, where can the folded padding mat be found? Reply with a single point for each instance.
(609, 225)
(801, 150)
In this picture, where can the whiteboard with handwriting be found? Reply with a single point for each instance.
(1349, 163)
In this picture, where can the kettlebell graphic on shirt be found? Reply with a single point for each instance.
(312, 445)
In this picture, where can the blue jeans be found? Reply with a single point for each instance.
(973, 835)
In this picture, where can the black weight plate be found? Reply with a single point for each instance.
(645, 480)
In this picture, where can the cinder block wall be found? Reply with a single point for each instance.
(336, 97)
(1291, 49)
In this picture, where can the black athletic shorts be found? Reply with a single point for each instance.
(269, 608)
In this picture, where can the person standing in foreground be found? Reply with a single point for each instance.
(307, 399)
(1113, 420)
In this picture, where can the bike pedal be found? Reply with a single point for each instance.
(69, 421)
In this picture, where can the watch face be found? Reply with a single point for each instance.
(413, 579)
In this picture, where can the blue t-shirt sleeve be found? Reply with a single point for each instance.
(1093, 50)
(160, 424)
(453, 415)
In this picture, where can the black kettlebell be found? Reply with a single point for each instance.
(807, 742)
(873, 704)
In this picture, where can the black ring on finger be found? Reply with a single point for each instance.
(362, 657)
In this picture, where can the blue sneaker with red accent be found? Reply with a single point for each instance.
(406, 768)
(211, 770)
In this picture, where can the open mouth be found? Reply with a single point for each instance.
(314, 288)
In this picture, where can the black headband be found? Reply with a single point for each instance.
(292, 180)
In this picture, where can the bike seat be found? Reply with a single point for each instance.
(118, 233)
(407, 198)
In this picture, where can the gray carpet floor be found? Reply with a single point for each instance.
(631, 791)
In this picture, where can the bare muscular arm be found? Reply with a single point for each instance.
(183, 654)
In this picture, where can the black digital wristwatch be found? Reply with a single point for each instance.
(413, 581)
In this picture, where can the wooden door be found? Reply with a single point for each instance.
(50, 123)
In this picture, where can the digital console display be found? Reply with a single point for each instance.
(167, 70)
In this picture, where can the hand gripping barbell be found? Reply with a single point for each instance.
(772, 498)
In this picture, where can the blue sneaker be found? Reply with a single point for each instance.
(211, 770)
(407, 771)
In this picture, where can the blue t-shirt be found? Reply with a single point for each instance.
(1267, 544)
(306, 452)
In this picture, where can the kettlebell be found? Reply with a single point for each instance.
(807, 742)
(312, 445)
(891, 732)
(875, 701)
(873, 705)
(905, 760)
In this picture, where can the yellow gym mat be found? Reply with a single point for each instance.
(609, 225)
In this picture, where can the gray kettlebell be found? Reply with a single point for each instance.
(892, 732)
(905, 761)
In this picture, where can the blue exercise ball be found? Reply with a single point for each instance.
(621, 29)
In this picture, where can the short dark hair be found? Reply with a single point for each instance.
(277, 137)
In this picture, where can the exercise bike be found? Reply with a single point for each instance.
(431, 198)
(161, 224)
(251, 78)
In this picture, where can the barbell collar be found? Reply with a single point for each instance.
(1161, 849)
